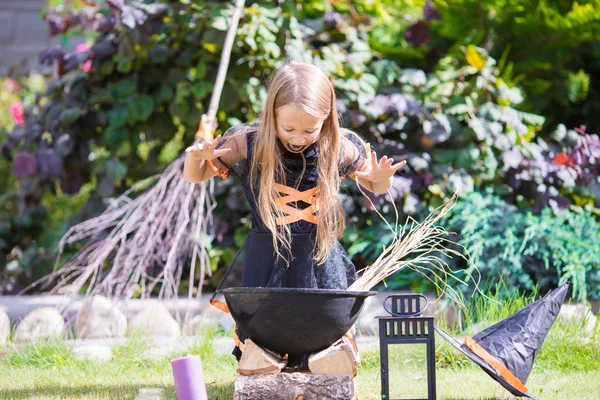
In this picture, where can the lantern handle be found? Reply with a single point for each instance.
(409, 297)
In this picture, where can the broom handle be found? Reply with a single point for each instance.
(224, 63)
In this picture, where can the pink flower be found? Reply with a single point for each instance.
(83, 47)
(16, 109)
(11, 86)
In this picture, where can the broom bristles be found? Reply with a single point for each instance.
(420, 247)
(148, 242)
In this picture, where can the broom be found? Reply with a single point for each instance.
(152, 236)
(420, 247)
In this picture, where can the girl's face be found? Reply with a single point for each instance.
(296, 128)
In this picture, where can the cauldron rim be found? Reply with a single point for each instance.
(330, 292)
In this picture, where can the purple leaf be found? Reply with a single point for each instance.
(430, 12)
(133, 17)
(48, 56)
(116, 4)
(105, 25)
(74, 60)
(49, 162)
(15, 136)
(386, 105)
(104, 48)
(437, 130)
(57, 25)
(71, 183)
(5, 151)
(413, 108)
(357, 118)
(331, 19)
(417, 34)
(585, 177)
(24, 164)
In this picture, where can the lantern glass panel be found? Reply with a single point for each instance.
(407, 371)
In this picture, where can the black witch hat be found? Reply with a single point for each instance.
(507, 350)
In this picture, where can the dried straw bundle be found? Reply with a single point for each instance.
(421, 247)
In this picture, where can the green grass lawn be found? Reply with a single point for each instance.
(567, 368)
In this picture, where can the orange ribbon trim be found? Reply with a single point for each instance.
(217, 170)
(238, 342)
(220, 305)
(293, 214)
(495, 364)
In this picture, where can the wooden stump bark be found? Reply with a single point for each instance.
(294, 386)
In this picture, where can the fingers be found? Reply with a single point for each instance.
(399, 165)
(221, 152)
(208, 144)
(194, 148)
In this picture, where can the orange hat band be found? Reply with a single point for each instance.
(495, 364)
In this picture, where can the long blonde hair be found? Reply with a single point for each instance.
(307, 87)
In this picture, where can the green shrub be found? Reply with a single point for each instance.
(527, 250)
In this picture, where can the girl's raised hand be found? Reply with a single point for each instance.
(207, 150)
(378, 171)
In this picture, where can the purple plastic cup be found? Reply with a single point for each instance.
(189, 379)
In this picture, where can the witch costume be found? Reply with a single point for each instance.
(257, 260)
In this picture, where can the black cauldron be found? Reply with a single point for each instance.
(294, 321)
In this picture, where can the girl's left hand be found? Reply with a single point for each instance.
(379, 171)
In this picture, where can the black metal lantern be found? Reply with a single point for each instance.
(406, 326)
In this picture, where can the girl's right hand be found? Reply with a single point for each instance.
(206, 150)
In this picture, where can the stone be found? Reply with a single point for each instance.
(209, 315)
(99, 318)
(579, 314)
(154, 320)
(42, 323)
(93, 352)
(294, 386)
(4, 328)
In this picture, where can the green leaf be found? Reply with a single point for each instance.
(70, 115)
(141, 107)
(165, 93)
(107, 67)
(201, 89)
(113, 136)
(101, 96)
(171, 150)
(123, 88)
(125, 65)
(115, 170)
(118, 116)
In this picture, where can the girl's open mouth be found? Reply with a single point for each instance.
(295, 148)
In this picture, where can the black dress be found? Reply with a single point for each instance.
(259, 264)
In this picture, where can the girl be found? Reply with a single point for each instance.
(290, 165)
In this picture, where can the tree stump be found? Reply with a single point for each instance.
(294, 386)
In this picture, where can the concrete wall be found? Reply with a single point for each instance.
(23, 34)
